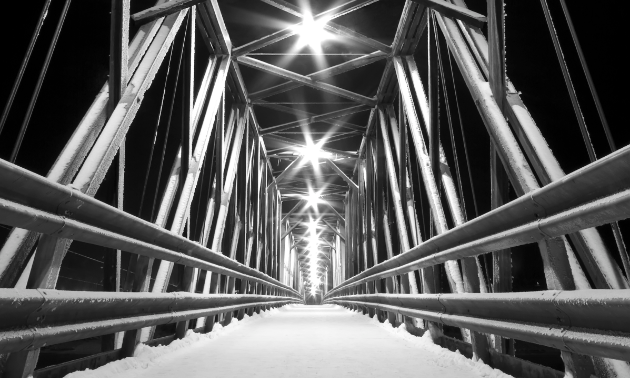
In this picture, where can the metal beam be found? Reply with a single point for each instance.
(341, 174)
(293, 142)
(295, 164)
(332, 27)
(496, 53)
(600, 265)
(26, 217)
(491, 313)
(578, 188)
(293, 209)
(187, 306)
(333, 229)
(75, 151)
(162, 10)
(321, 75)
(450, 10)
(330, 14)
(316, 118)
(393, 184)
(300, 112)
(305, 80)
(287, 232)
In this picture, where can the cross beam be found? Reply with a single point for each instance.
(305, 80)
(333, 27)
(292, 30)
(314, 119)
(460, 13)
(295, 111)
(321, 75)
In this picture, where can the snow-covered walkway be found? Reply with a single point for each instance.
(299, 342)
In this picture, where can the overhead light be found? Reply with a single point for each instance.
(313, 198)
(312, 32)
(313, 152)
(312, 229)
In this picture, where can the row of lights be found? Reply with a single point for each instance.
(313, 152)
(312, 33)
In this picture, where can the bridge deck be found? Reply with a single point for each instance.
(298, 341)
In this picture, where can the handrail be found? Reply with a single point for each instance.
(594, 309)
(21, 216)
(27, 188)
(601, 178)
(31, 319)
(588, 322)
(596, 213)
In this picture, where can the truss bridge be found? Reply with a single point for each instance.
(339, 188)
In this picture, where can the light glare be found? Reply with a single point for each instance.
(312, 199)
(313, 152)
(312, 32)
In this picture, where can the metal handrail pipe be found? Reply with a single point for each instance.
(605, 344)
(596, 180)
(27, 188)
(605, 310)
(596, 213)
(16, 215)
(35, 337)
(45, 308)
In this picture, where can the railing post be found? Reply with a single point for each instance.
(501, 260)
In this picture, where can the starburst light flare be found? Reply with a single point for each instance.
(312, 32)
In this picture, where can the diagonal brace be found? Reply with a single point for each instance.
(314, 119)
(287, 232)
(321, 75)
(338, 170)
(450, 10)
(334, 229)
(162, 10)
(305, 80)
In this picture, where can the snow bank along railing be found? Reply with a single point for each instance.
(589, 322)
(33, 202)
(591, 196)
(32, 319)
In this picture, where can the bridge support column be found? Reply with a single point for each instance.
(556, 254)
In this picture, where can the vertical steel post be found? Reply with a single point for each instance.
(556, 254)
(427, 173)
(16, 254)
(600, 265)
(501, 260)
(393, 183)
(187, 107)
(226, 193)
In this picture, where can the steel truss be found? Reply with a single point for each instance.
(250, 255)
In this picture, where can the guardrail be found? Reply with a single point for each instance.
(31, 319)
(594, 195)
(589, 322)
(584, 322)
(35, 203)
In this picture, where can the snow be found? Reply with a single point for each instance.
(10, 247)
(297, 341)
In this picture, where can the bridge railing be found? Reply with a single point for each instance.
(32, 318)
(586, 322)
(32, 202)
(35, 318)
(579, 201)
